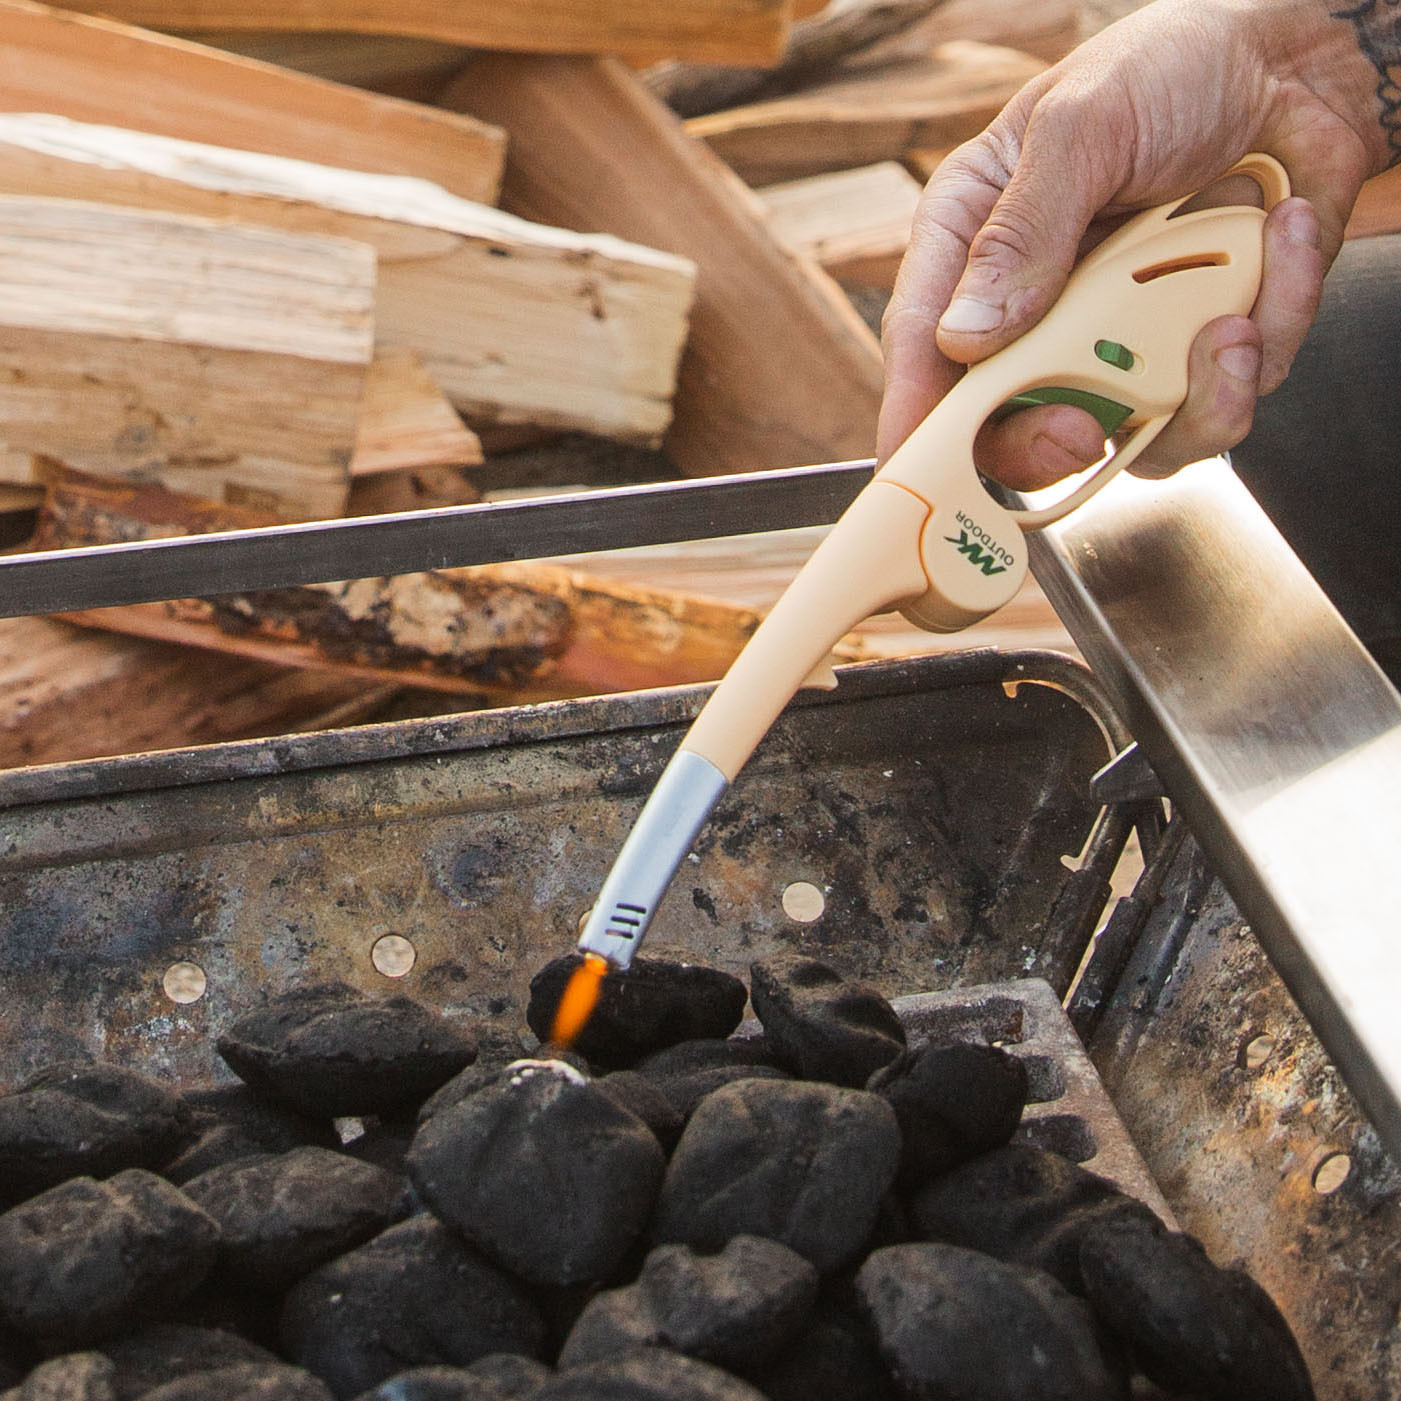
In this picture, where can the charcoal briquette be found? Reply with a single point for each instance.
(641, 1096)
(1021, 1204)
(687, 1057)
(652, 1004)
(517, 1378)
(331, 1051)
(952, 1322)
(435, 1384)
(231, 1122)
(416, 1295)
(478, 1076)
(84, 1120)
(953, 1102)
(543, 1171)
(164, 1352)
(802, 1163)
(280, 1216)
(684, 1092)
(832, 1357)
(652, 1374)
(734, 1308)
(84, 1259)
(247, 1381)
(821, 1025)
(77, 1376)
(1192, 1326)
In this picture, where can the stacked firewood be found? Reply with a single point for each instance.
(257, 268)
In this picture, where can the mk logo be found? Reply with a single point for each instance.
(975, 554)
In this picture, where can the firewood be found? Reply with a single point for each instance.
(411, 489)
(217, 356)
(854, 223)
(727, 31)
(517, 323)
(95, 70)
(405, 420)
(778, 368)
(1378, 207)
(815, 44)
(872, 116)
(1046, 29)
(525, 631)
(415, 69)
(71, 693)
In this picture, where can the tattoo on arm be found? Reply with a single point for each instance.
(1378, 27)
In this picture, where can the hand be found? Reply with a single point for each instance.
(1154, 108)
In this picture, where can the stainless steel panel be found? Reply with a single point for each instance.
(1269, 725)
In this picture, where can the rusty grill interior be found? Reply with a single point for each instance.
(930, 827)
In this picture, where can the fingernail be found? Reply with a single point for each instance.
(970, 314)
(1301, 226)
(1240, 361)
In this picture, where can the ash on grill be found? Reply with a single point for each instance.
(844, 1200)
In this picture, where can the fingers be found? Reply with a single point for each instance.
(1223, 372)
(1290, 287)
(1036, 447)
(917, 376)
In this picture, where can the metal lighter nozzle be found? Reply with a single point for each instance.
(688, 789)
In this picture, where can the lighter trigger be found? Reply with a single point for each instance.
(1110, 414)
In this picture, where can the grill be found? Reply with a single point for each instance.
(913, 827)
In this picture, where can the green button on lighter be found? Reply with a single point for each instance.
(1112, 353)
(1110, 414)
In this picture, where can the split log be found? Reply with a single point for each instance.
(816, 45)
(414, 489)
(516, 322)
(416, 69)
(95, 70)
(872, 116)
(1045, 29)
(1378, 207)
(854, 223)
(215, 357)
(522, 631)
(406, 422)
(778, 368)
(722, 31)
(70, 693)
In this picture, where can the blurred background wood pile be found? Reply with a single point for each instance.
(266, 263)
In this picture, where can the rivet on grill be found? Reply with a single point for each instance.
(184, 982)
(803, 902)
(393, 955)
(1256, 1051)
(1331, 1173)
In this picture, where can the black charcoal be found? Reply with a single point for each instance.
(550, 1177)
(685, 1092)
(687, 1057)
(956, 1323)
(653, 1374)
(78, 1376)
(332, 1051)
(832, 1357)
(820, 1025)
(1021, 1204)
(231, 1122)
(478, 1076)
(414, 1296)
(641, 1096)
(517, 1378)
(281, 1216)
(164, 1352)
(81, 1261)
(734, 1308)
(435, 1384)
(1192, 1327)
(805, 1164)
(651, 1005)
(247, 1381)
(81, 1120)
(953, 1102)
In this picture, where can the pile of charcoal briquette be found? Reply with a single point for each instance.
(393, 1204)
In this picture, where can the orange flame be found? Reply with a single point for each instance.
(581, 994)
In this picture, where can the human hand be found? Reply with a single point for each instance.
(1153, 109)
